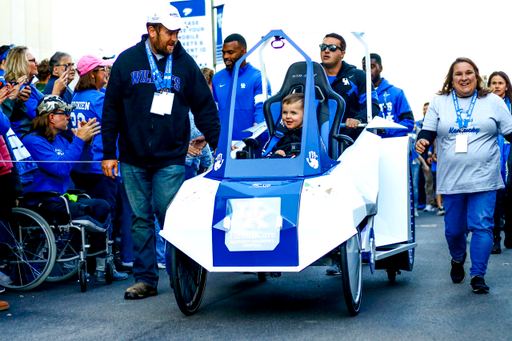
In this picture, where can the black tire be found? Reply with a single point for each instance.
(109, 270)
(27, 249)
(69, 244)
(262, 276)
(351, 273)
(82, 276)
(189, 280)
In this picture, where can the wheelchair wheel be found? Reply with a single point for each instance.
(351, 273)
(82, 276)
(27, 249)
(189, 279)
(69, 244)
(109, 270)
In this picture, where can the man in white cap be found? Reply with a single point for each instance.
(152, 87)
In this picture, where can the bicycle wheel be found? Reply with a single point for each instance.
(68, 244)
(351, 273)
(189, 279)
(27, 249)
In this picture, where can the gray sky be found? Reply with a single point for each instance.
(417, 40)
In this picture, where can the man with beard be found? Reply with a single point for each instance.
(393, 104)
(249, 94)
(152, 88)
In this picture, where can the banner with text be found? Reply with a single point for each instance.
(197, 38)
(220, 15)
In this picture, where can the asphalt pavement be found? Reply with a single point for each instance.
(421, 305)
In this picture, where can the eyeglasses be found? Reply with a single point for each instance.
(62, 113)
(332, 47)
(68, 65)
(99, 69)
(32, 60)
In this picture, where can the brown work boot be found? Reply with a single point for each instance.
(4, 305)
(140, 290)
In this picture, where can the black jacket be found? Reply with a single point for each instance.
(350, 83)
(289, 143)
(146, 139)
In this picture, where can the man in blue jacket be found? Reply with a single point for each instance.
(392, 101)
(153, 86)
(249, 94)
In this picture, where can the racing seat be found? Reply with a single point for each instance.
(330, 106)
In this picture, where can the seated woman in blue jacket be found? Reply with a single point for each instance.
(45, 143)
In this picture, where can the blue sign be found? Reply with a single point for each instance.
(187, 9)
(218, 53)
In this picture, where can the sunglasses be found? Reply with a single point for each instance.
(332, 47)
(65, 113)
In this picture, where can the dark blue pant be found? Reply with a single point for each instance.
(150, 191)
(473, 212)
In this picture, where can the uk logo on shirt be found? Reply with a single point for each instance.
(243, 85)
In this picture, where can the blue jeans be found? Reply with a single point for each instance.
(150, 191)
(473, 212)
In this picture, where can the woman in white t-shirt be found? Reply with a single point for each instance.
(466, 119)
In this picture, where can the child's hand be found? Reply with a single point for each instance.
(280, 152)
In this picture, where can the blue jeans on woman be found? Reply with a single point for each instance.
(473, 212)
(150, 191)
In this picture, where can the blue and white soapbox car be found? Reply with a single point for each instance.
(336, 202)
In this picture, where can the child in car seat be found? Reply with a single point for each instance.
(292, 113)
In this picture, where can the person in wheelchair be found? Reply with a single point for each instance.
(45, 143)
(292, 114)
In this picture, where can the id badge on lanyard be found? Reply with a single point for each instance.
(163, 99)
(461, 139)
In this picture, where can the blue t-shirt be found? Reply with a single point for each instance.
(331, 79)
(89, 105)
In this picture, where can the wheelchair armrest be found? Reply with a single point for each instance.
(39, 195)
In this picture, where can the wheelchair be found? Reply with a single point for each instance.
(35, 246)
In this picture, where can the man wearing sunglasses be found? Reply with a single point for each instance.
(348, 81)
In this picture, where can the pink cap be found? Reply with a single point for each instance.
(88, 63)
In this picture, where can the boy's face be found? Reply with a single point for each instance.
(293, 114)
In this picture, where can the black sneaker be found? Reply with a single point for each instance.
(457, 274)
(508, 242)
(496, 248)
(479, 286)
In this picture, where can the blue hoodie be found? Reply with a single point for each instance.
(394, 107)
(89, 105)
(249, 98)
(54, 176)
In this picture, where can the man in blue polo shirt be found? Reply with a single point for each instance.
(249, 94)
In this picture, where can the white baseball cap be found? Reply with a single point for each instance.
(167, 15)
